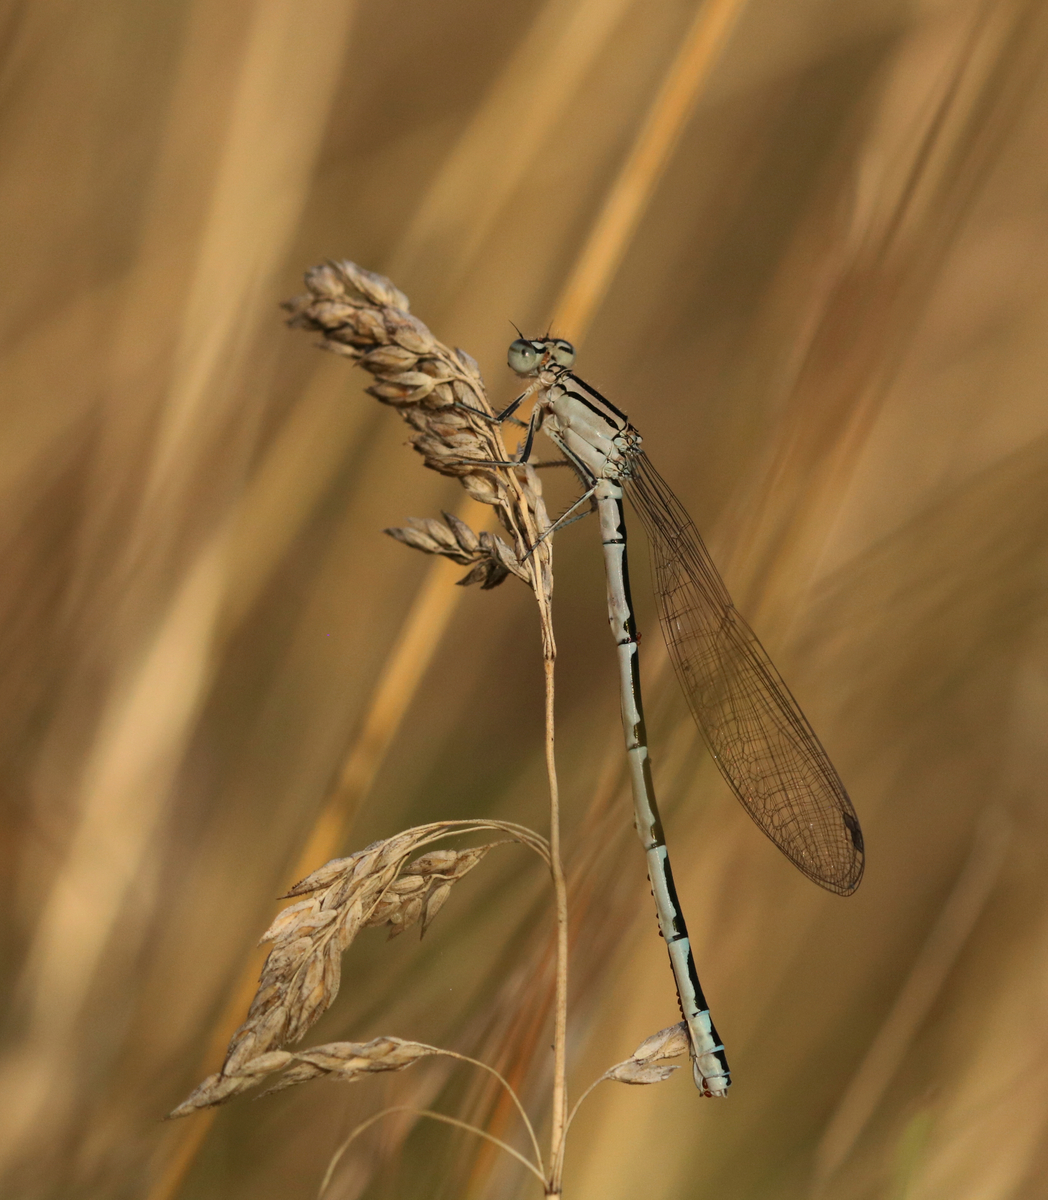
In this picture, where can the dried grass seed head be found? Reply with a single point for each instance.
(363, 316)
(646, 1064)
(302, 973)
(440, 393)
(491, 559)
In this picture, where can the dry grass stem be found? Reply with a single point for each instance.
(350, 1061)
(560, 1004)
(440, 394)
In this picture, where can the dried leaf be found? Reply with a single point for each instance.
(286, 920)
(322, 876)
(271, 1029)
(409, 332)
(482, 487)
(442, 396)
(301, 1072)
(307, 998)
(505, 557)
(351, 924)
(223, 1086)
(405, 915)
(391, 393)
(466, 860)
(410, 898)
(438, 532)
(487, 574)
(407, 884)
(216, 1089)
(371, 286)
(369, 327)
(641, 1067)
(332, 968)
(417, 383)
(347, 350)
(325, 280)
(435, 862)
(333, 314)
(469, 362)
(266, 1064)
(494, 575)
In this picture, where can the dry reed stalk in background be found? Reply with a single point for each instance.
(628, 198)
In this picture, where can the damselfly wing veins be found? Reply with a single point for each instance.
(754, 728)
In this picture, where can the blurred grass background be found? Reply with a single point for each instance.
(828, 319)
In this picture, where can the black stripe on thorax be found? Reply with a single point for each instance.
(602, 408)
(603, 400)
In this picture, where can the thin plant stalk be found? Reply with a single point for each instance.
(420, 1112)
(512, 1095)
(560, 1013)
(578, 1102)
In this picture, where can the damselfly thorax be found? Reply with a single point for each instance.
(590, 431)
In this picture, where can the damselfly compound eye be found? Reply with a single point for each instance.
(563, 352)
(523, 356)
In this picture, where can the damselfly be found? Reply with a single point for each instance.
(755, 730)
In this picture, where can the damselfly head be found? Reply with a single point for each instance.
(526, 357)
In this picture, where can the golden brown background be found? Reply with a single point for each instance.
(829, 317)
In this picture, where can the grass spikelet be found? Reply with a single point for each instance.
(490, 558)
(349, 1062)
